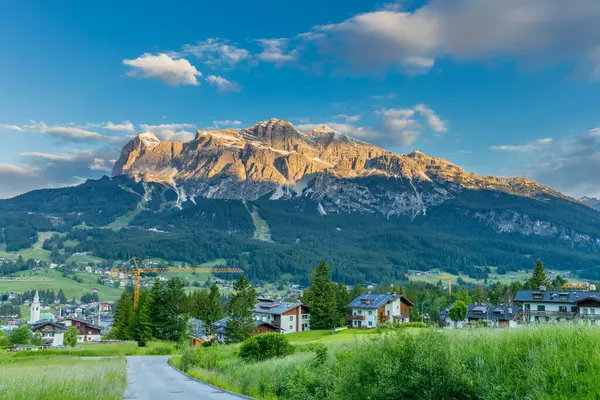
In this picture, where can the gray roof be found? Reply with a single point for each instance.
(44, 323)
(268, 307)
(555, 296)
(372, 300)
(222, 323)
(480, 311)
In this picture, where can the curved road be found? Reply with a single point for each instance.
(152, 378)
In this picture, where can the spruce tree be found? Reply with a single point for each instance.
(142, 328)
(323, 311)
(240, 325)
(214, 306)
(539, 276)
(123, 316)
(342, 299)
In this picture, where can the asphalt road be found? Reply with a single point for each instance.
(152, 378)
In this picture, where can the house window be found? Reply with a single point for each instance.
(370, 312)
(574, 309)
(291, 327)
(355, 323)
(541, 308)
(584, 310)
(291, 318)
(370, 323)
(562, 308)
(592, 311)
(359, 312)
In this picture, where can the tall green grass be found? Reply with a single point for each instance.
(63, 378)
(536, 362)
(105, 350)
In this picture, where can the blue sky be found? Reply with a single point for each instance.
(505, 88)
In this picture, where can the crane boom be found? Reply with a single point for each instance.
(137, 272)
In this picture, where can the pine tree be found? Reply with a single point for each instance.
(157, 311)
(463, 295)
(123, 317)
(214, 306)
(479, 295)
(323, 311)
(142, 328)
(342, 299)
(241, 308)
(539, 276)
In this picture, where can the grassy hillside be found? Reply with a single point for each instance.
(69, 286)
(35, 251)
(534, 362)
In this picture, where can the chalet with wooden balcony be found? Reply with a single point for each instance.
(289, 317)
(371, 310)
(556, 306)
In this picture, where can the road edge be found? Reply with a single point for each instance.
(241, 396)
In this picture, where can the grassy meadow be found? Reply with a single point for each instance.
(101, 350)
(533, 362)
(62, 378)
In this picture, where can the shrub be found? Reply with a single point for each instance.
(413, 325)
(321, 354)
(264, 347)
(160, 351)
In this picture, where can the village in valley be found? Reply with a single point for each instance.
(285, 308)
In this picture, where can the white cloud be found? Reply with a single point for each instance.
(223, 85)
(387, 96)
(49, 157)
(171, 132)
(570, 164)
(99, 164)
(276, 51)
(536, 145)
(125, 126)
(531, 32)
(349, 118)
(433, 120)
(74, 134)
(12, 127)
(15, 169)
(225, 123)
(47, 170)
(359, 132)
(217, 52)
(171, 70)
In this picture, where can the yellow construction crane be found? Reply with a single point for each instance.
(137, 272)
(449, 278)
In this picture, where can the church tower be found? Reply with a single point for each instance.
(35, 309)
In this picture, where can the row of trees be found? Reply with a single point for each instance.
(159, 314)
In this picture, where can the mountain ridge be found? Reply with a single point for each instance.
(273, 154)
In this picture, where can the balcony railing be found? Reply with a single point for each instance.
(561, 314)
(355, 317)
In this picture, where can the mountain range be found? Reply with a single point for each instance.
(274, 201)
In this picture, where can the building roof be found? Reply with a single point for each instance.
(376, 300)
(83, 321)
(480, 311)
(533, 296)
(222, 323)
(39, 325)
(270, 307)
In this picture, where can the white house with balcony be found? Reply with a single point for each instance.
(371, 310)
(289, 317)
(557, 306)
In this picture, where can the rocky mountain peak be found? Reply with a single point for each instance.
(251, 162)
(272, 129)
